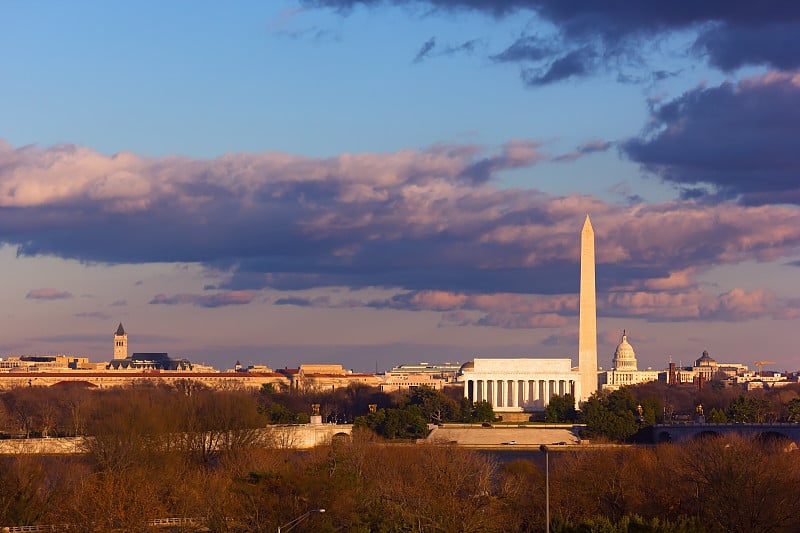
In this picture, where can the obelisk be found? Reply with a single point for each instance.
(587, 330)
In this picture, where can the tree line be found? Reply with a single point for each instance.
(619, 415)
(367, 486)
(151, 457)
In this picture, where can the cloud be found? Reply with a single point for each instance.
(773, 44)
(591, 147)
(320, 301)
(425, 50)
(588, 36)
(732, 306)
(574, 64)
(526, 48)
(730, 141)
(430, 49)
(220, 299)
(430, 226)
(94, 315)
(48, 294)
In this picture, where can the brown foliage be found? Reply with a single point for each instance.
(151, 456)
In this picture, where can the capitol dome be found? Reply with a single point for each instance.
(624, 356)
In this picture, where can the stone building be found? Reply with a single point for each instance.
(519, 385)
(325, 377)
(120, 343)
(527, 384)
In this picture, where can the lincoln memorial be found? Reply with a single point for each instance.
(519, 384)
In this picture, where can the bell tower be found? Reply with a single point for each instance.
(120, 343)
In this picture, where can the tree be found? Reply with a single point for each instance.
(793, 410)
(748, 409)
(561, 409)
(407, 423)
(434, 405)
(717, 416)
(482, 412)
(612, 416)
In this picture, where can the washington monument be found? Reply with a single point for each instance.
(587, 329)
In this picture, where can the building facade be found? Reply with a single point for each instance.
(120, 343)
(519, 385)
(624, 369)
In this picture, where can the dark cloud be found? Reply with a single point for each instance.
(429, 49)
(220, 299)
(591, 147)
(576, 63)
(319, 301)
(429, 226)
(589, 35)
(730, 141)
(729, 47)
(526, 48)
(425, 50)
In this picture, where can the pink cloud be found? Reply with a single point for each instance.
(48, 294)
(410, 221)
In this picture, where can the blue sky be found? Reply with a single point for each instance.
(390, 181)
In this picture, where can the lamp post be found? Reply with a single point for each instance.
(546, 451)
(290, 525)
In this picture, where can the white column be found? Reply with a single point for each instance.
(529, 392)
(499, 396)
(512, 393)
(540, 388)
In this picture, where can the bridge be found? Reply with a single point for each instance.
(685, 432)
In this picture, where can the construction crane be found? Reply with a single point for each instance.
(760, 365)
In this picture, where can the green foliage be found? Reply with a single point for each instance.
(652, 408)
(748, 409)
(793, 410)
(630, 524)
(561, 409)
(612, 416)
(277, 414)
(406, 423)
(717, 416)
(482, 412)
(434, 405)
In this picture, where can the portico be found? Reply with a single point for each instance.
(519, 384)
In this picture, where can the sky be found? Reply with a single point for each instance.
(379, 182)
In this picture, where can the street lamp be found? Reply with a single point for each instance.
(546, 451)
(290, 525)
